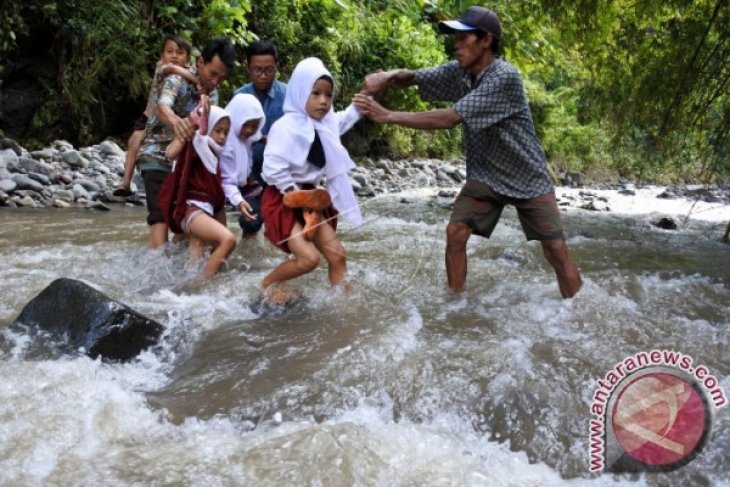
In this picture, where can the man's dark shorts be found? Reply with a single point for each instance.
(250, 227)
(152, 183)
(479, 207)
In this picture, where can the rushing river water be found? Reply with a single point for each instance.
(400, 383)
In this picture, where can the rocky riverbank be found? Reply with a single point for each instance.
(62, 176)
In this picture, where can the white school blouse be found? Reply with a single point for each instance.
(284, 173)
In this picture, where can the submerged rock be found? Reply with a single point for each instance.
(666, 224)
(82, 317)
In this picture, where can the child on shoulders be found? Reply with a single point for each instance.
(303, 147)
(174, 59)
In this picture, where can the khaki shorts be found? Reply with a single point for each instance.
(479, 207)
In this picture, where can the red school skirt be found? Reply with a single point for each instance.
(279, 219)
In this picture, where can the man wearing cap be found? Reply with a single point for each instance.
(505, 162)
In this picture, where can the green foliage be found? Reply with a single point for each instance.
(641, 87)
(354, 39)
(103, 51)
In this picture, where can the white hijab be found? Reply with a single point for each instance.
(205, 146)
(300, 127)
(242, 108)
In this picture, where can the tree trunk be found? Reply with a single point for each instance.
(726, 238)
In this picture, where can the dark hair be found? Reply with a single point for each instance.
(221, 47)
(261, 48)
(181, 43)
(494, 46)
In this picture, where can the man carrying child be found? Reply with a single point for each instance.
(178, 97)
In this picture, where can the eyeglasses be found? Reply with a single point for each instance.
(268, 71)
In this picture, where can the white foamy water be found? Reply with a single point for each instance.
(645, 202)
(398, 384)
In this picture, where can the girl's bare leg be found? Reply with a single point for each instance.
(327, 242)
(210, 230)
(306, 259)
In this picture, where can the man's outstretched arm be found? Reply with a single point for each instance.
(443, 118)
(376, 83)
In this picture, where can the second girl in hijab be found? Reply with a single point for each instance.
(304, 147)
(247, 119)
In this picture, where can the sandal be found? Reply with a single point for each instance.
(122, 191)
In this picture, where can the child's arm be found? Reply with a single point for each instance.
(347, 118)
(169, 68)
(174, 149)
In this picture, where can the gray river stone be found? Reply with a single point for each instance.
(97, 205)
(8, 185)
(448, 169)
(24, 182)
(442, 176)
(41, 178)
(62, 145)
(64, 194)
(88, 185)
(79, 316)
(422, 180)
(26, 201)
(11, 144)
(74, 159)
(80, 192)
(110, 147)
(8, 156)
(31, 165)
(66, 178)
(362, 179)
(45, 154)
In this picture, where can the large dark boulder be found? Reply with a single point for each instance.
(82, 317)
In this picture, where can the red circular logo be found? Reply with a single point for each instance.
(660, 419)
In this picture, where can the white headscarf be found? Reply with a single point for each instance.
(242, 108)
(299, 128)
(205, 146)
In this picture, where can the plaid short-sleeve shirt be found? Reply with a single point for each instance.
(182, 97)
(500, 144)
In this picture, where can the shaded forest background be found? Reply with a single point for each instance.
(638, 87)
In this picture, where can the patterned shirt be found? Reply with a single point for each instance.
(154, 93)
(182, 97)
(501, 147)
(273, 104)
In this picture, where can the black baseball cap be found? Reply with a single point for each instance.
(473, 18)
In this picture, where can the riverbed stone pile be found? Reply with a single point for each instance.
(62, 176)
